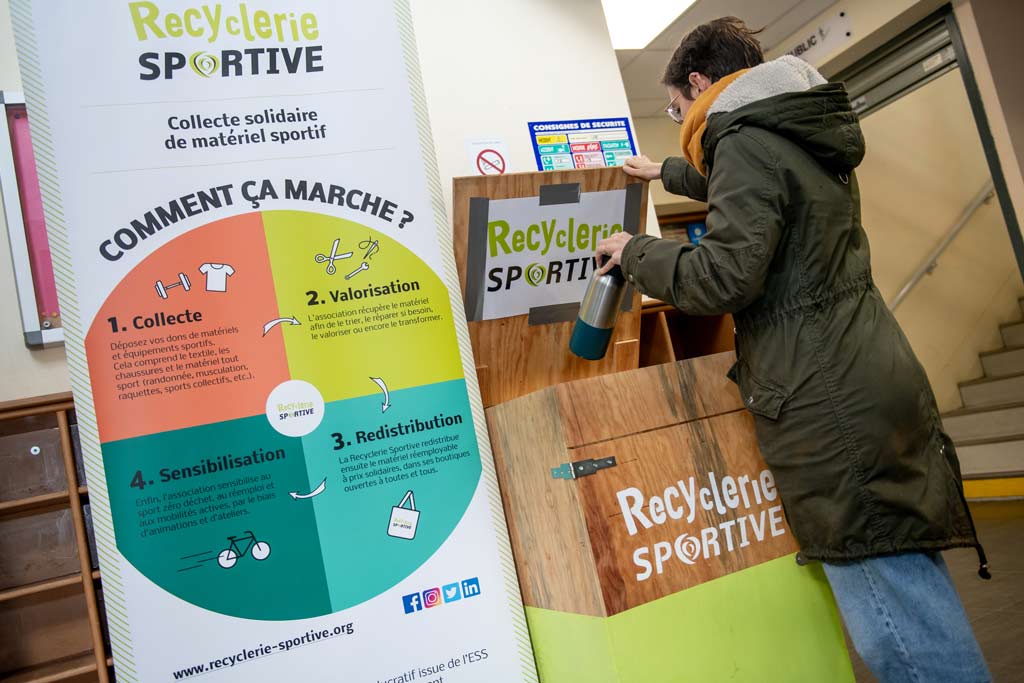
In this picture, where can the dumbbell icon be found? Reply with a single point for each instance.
(183, 282)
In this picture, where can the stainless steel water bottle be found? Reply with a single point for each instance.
(598, 313)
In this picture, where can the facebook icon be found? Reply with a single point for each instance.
(412, 603)
(471, 587)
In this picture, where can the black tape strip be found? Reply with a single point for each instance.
(566, 193)
(555, 313)
(627, 301)
(476, 257)
(631, 214)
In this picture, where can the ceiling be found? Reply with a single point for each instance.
(642, 69)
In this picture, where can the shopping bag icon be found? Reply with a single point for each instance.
(404, 520)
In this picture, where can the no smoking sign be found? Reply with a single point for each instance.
(487, 156)
(490, 162)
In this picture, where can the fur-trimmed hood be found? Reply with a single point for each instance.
(789, 97)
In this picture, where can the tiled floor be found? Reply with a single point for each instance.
(996, 607)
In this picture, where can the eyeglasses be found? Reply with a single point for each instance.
(673, 111)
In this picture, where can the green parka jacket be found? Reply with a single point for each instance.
(844, 413)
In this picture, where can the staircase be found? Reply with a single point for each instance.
(989, 430)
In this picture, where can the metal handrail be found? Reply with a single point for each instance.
(932, 260)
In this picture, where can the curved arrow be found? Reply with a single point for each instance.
(387, 396)
(270, 325)
(315, 492)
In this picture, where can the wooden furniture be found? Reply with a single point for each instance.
(513, 357)
(52, 623)
(670, 423)
(667, 335)
(674, 226)
(667, 556)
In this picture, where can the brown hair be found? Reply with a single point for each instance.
(715, 49)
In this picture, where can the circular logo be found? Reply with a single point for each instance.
(535, 274)
(295, 408)
(204, 63)
(687, 548)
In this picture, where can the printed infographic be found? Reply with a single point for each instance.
(288, 466)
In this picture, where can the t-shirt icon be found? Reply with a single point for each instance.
(217, 275)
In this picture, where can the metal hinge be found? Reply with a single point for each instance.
(581, 468)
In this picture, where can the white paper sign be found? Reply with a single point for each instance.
(544, 255)
(487, 156)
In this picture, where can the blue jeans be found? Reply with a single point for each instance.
(905, 619)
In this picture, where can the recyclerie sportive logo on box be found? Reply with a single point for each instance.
(435, 597)
(743, 502)
(539, 253)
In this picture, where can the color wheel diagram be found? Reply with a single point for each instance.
(269, 389)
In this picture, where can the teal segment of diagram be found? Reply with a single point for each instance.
(398, 481)
(205, 513)
(241, 520)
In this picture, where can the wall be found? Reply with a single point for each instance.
(924, 164)
(872, 23)
(25, 372)
(999, 23)
(1002, 104)
(488, 68)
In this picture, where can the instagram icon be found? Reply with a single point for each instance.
(432, 597)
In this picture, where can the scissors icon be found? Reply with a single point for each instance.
(371, 246)
(335, 256)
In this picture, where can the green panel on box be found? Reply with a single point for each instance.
(571, 647)
(773, 622)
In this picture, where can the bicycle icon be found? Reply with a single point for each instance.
(239, 546)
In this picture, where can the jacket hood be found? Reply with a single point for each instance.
(789, 97)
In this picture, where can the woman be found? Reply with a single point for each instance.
(844, 413)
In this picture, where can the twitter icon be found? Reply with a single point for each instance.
(452, 592)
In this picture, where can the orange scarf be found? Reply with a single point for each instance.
(691, 134)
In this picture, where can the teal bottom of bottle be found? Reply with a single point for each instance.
(590, 342)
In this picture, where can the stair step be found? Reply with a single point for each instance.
(1003, 362)
(1013, 334)
(998, 489)
(994, 391)
(1002, 458)
(972, 424)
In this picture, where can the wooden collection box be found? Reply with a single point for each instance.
(648, 532)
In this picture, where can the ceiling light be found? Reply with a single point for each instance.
(633, 24)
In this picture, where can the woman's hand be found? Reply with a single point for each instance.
(612, 247)
(642, 167)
